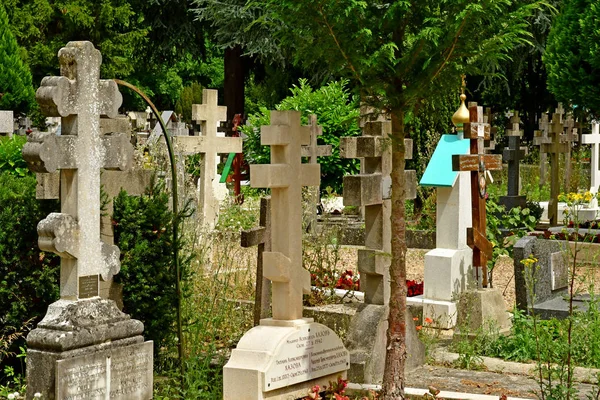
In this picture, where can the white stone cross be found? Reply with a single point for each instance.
(594, 140)
(285, 176)
(208, 145)
(79, 97)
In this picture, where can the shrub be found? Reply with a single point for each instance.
(28, 276)
(143, 232)
(337, 112)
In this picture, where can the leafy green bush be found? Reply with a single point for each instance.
(143, 232)
(11, 157)
(337, 112)
(28, 277)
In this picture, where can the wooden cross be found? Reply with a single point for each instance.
(541, 137)
(312, 151)
(594, 140)
(208, 145)
(490, 145)
(554, 148)
(477, 162)
(80, 98)
(261, 237)
(285, 176)
(512, 155)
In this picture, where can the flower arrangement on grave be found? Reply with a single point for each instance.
(347, 280)
(335, 391)
(414, 288)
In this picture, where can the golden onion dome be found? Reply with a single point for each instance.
(461, 116)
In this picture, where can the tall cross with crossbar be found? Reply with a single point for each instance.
(286, 175)
(477, 163)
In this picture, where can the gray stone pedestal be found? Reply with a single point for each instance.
(367, 341)
(483, 308)
(84, 349)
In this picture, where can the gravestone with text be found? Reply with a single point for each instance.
(285, 355)
(513, 155)
(209, 115)
(371, 190)
(85, 347)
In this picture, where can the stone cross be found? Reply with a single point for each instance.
(208, 144)
(79, 97)
(261, 237)
(570, 137)
(285, 176)
(512, 155)
(312, 151)
(554, 148)
(371, 189)
(594, 140)
(541, 137)
(560, 111)
(477, 163)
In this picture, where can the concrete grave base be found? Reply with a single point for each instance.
(283, 359)
(367, 342)
(481, 309)
(90, 330)
(442, 313)
(583, 214)
(447, 273)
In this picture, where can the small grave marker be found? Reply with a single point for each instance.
(540, 138)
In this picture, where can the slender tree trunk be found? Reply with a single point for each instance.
(234, 81)
(393, 377)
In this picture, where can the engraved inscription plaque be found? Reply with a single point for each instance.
(88, 286)
(312, 351)
(125, 373)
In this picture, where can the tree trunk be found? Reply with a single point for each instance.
(393, 377)
(234, 82)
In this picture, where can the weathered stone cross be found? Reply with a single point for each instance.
(371, 189)
(512, 155)
(570, 137)
(261, 237)
(476, 162)
(554, 148)
(540, 138)
(80, 98)
(209, 114)
(285, 176)
(594, 140)
(312, 151)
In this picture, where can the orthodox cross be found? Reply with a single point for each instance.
(312, 151)
(79, 97)
(261, 237)
(554, 148)
(286, 175)
(477, 163)
(208, 114)
(512, 155)
(541, 137)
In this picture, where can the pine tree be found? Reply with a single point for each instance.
(15, 77)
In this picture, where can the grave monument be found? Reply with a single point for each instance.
(208, 115)
(285, 355)
(371, 190)
(541, 137)
(84, 347)
(554, 148)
